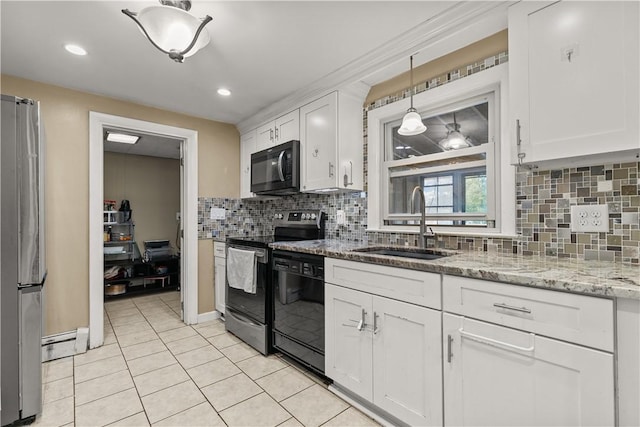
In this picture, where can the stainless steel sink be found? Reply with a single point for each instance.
(427, 254)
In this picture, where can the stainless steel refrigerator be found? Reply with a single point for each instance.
(22, 265)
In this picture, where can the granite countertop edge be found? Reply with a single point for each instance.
(596, 278)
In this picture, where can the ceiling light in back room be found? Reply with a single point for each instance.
(75, 49)
(122, 138)
(224, 92)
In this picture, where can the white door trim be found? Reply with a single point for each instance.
(189, 194)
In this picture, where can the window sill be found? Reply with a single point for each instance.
(462, 233)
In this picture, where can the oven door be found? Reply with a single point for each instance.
(276, 170)
(298, 318)
(252, 306)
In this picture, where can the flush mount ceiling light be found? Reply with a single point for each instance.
(411, 122)
(75, 49)
(122, 138)
(454, 140)
(224, 92)
(172, 29)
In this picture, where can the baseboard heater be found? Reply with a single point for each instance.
(65, 344)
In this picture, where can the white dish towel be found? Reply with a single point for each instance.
(241, 270)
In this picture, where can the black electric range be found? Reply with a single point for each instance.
(249, 315)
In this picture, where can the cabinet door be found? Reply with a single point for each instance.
(319, 138)
(503, 377)
(247, 147)
(220, 277)
(265, 136)
(348, 349)
(574, 79)
(287, 127)
(407, 361)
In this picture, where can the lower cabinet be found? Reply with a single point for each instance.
(385, 351)
(220, 275)
(498, 376)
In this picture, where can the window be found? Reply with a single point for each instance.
(456, 162)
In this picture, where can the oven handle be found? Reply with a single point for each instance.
(261, 254)
(280, 166)
(240, 318)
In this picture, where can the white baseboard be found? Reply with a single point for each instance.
(65, 344)
(209, 316)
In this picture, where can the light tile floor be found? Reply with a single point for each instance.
(152, 369)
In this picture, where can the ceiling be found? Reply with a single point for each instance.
(263, 51)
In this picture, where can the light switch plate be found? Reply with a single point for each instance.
(590, 218)
(340, 218)
(217, 213)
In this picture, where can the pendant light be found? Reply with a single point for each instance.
(411, 122)
(454, 140)
(172, 29)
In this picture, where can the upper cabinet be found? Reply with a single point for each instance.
(283, 129)
(574, 82)
(331, 141)
(247, 147)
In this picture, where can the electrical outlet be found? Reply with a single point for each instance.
(590, 218)
(340, 218)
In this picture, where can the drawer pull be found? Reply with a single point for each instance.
(496, 343)
(449, 352)
(511, 307)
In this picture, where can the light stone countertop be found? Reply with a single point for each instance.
(600, 278)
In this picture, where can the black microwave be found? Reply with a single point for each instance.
(276, 170)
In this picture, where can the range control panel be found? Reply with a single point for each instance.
(308, 216)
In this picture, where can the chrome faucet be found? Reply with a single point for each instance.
(422, 239)
(418, 189)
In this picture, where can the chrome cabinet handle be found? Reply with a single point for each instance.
(521, 155)
(276, 133)
(271, 134)
(361, 323)
(375, 323)
(280, 169)
(497, 343)
(511, 307)
(449, 353)
(330, 169)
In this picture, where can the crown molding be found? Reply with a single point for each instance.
(438, 29)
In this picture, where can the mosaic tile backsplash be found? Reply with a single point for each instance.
(544, 200)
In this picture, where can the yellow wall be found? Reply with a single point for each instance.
(474, 52)
(66, 118)
(152, 186)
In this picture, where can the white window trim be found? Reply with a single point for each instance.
(493, 79)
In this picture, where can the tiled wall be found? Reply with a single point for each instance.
(543, 205)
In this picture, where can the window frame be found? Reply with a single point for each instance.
(459, 92)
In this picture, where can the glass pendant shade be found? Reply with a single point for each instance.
(454, 141)
(172, 30)
(411, 124)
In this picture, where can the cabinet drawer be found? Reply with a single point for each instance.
(575, 318)
(219, 249)
(415, 287)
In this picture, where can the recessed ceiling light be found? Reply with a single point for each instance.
(224, 92)
(122, 138)
(75, 49)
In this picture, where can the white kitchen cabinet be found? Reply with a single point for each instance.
(281, 130)
(247, 147)
(498, 376)
(220, 275)
(573, 70)
(331, 143)
(383, 350)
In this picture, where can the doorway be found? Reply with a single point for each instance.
(142, 239)
(98, 124)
